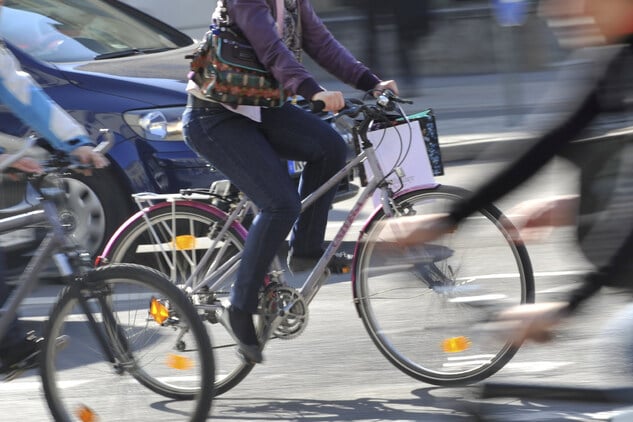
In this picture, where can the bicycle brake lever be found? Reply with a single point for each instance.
(108, 141)
(389, 96)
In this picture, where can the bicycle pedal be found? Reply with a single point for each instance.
(61, 342)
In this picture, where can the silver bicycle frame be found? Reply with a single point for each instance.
(217, 272)
(314, 281)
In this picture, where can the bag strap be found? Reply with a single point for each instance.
(279, 11)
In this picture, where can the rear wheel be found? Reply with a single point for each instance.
(421, 310)
(157, 341)
(174, 241)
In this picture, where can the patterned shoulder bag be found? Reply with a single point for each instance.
(226, 69)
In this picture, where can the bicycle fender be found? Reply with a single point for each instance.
(102, 259)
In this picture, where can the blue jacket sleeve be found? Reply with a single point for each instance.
(29, 102)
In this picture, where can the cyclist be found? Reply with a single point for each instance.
(246, 144)
(605, 226)
(30, 103)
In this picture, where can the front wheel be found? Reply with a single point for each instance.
(420, 306)
(118, 342)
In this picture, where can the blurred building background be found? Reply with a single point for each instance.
(464, 36)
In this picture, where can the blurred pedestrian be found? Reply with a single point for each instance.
(604, 209)
(412, 23)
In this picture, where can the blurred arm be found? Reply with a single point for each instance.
(35, 108)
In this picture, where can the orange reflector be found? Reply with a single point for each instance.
(456, 344)
(185, 242)
(345, 269)
(181, 363)
(85, 414)
(158, 311)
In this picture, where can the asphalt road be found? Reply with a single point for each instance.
(333, 372)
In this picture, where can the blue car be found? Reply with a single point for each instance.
(110, 66)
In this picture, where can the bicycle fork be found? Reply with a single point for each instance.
(112, 341)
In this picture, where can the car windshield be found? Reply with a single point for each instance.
(81, 30)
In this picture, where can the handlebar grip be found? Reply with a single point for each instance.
(317, 106)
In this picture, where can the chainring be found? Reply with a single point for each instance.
(275, 302)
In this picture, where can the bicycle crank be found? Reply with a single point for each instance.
(284, 307)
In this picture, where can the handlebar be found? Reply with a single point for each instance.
(59, 161)
(386, 101)
(29, 143)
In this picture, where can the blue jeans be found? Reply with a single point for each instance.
(249, 153)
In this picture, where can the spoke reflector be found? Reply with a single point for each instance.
(185, 242)
(158, 310)
(456, 344)
(181, 363)
(85, 414)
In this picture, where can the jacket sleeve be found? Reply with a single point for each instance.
(256, 21)
(29, 102)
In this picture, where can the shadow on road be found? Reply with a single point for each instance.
(427, 404)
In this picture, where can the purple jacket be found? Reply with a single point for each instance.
(256, 20)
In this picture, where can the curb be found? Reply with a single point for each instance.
(497, 146)
(620, 394)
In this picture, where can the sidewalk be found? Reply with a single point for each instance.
(474, 113)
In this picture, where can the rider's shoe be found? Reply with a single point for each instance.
(248, 346)
(24, 355)
(341, 263)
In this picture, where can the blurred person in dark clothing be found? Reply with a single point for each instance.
(412, 24)
(603, 209)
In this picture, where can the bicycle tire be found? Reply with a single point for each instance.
(154, 359)
(193, 221)
(421, 312)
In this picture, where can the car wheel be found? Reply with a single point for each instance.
(93, 209)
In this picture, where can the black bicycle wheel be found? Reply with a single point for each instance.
(159, 345)
(173, 241)
(421, 306)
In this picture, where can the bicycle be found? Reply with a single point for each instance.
(128, 335)
(196, 237)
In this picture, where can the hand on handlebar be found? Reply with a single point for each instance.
(87, 155)
(382, 86)
(24, 164)
(333, 100)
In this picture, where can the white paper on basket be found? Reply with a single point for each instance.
(402, 144)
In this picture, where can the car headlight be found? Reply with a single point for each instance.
(157, 124)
